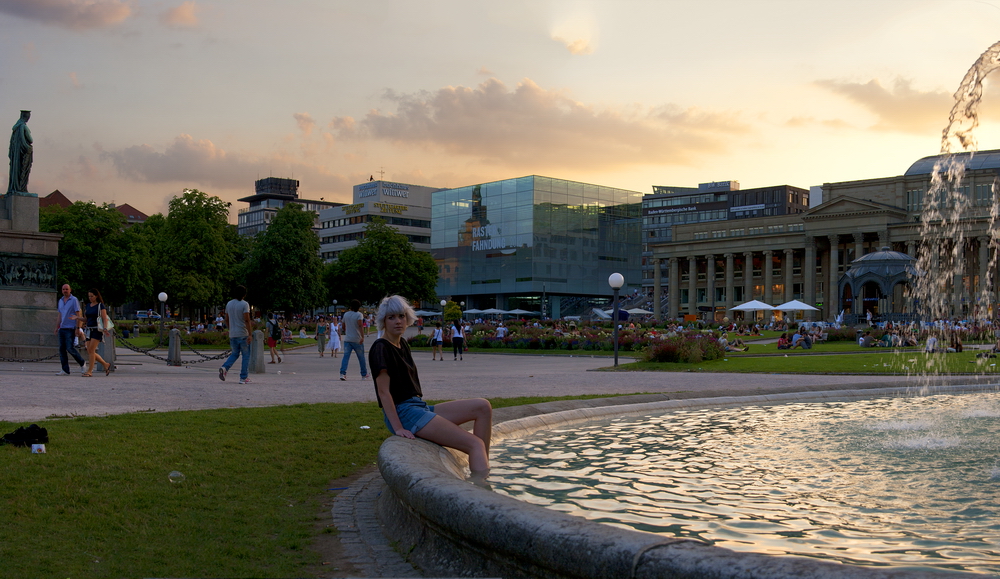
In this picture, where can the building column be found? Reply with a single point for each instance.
(747, 276)
(883, 239)
(859, 244)
(768, 277)
(692, 285)
(674, 288)
(710, 284)
(911, 248)
(787, 267)
(958, 270)
(809, 277)
(984, 265)
(832, 291)
(657, 290)
(729, 282)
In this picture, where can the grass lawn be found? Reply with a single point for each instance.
(100, 504)
(144, 341)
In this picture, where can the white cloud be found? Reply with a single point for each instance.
(901, 108)
(183, 16)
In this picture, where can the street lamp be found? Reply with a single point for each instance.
(616, 281)
(163, 303)
(335, 308)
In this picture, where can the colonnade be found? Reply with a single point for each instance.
(813, 267)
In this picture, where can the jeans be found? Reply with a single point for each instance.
(359, 350)
(458, 344)
(66, 345)
(240, 347)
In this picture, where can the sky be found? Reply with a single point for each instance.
(135, 100)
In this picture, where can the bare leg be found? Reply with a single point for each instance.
(92, 355)
(462, 411)
(441, 431)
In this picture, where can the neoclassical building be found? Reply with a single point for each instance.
(709, 267)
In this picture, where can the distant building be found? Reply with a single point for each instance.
(403, 206)
(132, 215)
(273, 193)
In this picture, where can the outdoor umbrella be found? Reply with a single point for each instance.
(639, 311)
(520, 312)
(794, 305)
(473, 311)
(752, 306)
(425, 313)
(494, 311)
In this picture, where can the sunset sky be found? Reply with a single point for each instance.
(133, 101)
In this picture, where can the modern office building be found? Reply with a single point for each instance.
(271, 194)
(717, 201)
(805, 254)
(506, 244)
(403, 206)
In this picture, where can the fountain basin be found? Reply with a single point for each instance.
(448, 526)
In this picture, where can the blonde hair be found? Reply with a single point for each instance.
(394, 304)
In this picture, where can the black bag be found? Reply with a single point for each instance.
(275, 331)
(26, 436)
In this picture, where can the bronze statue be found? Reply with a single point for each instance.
(20, 155)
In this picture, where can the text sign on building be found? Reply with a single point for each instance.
(385, 187)
(390, 208)
(747, 207)
(671, 210)
(352, 209)
(488, 237)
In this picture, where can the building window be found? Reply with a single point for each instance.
(718, 234)
(737, 232)
(984, 195)
(915, 200)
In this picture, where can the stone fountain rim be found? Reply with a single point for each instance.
(448, 525)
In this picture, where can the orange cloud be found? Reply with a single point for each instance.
(533, 127)
(183, 16)
(579, 46)
(75, 81)
(305, 122)
(72, 14)
(900, 109)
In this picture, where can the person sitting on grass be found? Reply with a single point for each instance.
(867, 340)
(798, 340)
(783, 343)
(931, 345)
(736, 346)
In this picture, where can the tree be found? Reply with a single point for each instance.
(284, 264)
(452, 311)
(99, 251)
(196, 250)
(383, 263)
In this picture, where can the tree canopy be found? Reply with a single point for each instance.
(98, 251)
(196, 250)
(383, 263)
(284, 270)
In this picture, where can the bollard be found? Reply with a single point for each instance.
(257, 353)
(106, 350)
(174, 348)
(135, 330)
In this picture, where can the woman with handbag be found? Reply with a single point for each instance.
(98, 324)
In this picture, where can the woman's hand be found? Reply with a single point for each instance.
(405, 434)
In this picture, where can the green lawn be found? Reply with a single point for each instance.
(99, 503)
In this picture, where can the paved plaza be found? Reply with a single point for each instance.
(33, 391)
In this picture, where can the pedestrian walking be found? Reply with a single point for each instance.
(273, 336)
(437, 342)
(322, 331)
(240, 325)
(94, 311)
(68, 327)
(354, 339)
(334, 336)
(457, 339)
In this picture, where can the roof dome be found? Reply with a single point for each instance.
(883, 263)
(977, 160)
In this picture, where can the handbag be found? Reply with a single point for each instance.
(100, 323)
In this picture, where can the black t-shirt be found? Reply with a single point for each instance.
(92, 311)
(403, 380)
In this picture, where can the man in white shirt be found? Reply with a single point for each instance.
(354, 339)
(237, 317)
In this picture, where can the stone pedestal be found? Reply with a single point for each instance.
(28, 282)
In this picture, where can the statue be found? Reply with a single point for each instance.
(20, 156)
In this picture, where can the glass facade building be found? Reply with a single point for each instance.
(503, 244)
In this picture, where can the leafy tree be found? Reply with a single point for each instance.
(98, 250)
(452, 311)
(196, 250)
(383, 263)
(284, 267)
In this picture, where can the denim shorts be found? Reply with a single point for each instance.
(413, 413)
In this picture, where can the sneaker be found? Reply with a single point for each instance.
(244, 380)
(61, 373)
(343, 377)
(83, 368)
(222, 374)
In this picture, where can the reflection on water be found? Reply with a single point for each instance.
(902, 481)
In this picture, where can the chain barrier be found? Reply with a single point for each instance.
(22, 361)
(161, 358)
(190, 347)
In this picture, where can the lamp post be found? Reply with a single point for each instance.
(334, 308)
(163, 302)
(616, 281)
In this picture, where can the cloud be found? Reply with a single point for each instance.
(802, 122)
(75, 81)
(28, 49)
(306, 122)
(202, 164)
(547, 130)
(482, 70)
(579, 46)
(183, 16)
(72, 14)
(901, 109)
